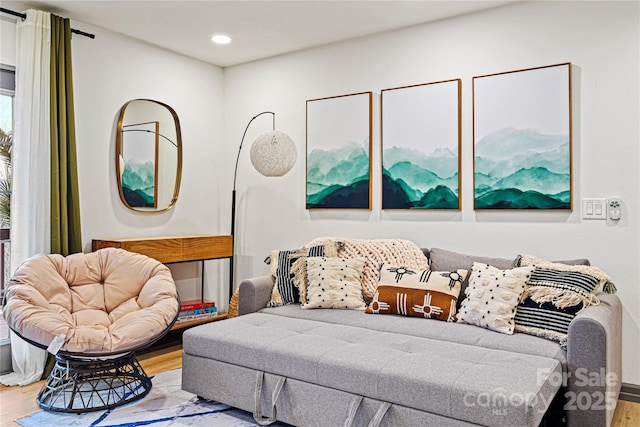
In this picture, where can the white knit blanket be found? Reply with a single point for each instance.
(397, 252)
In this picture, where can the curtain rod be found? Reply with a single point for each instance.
(24, 16)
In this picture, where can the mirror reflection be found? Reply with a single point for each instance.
(148, 155)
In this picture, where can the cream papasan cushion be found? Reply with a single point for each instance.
(109, 301)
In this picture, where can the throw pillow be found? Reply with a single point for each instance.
(419, 293)
(376, 252)
(284, 289)
(334, 283)
(528, 259)
(554, 295)
(492, 296)
(444, 260)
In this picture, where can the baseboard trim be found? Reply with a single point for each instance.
(630, 392)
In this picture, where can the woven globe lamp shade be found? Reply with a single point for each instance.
(273, 153)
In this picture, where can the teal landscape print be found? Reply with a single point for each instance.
(339, 152)
(339, 178)
(522, 139)
(421, 145)
(138, 184)
(139, 160)
(522, 169)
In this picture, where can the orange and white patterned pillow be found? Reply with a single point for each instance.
(418, 293)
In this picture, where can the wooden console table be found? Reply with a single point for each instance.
(170, 249)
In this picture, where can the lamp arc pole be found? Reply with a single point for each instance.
(233, 198)
(155, 133)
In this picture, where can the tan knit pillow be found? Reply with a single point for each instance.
(375, 252)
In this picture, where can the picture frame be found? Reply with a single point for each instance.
(338, 152)
(421, 142)
(522, 139)
(140, 164)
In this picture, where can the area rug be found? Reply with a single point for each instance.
(166, 405)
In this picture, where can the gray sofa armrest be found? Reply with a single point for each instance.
(594, 357)
(254, 294)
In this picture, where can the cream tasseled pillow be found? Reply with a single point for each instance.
(600, 278)
(555, 293)
(492, 297)
(285, 263)
(334, 283)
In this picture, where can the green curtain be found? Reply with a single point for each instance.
(66, 235)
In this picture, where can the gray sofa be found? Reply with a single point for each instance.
(343, 367)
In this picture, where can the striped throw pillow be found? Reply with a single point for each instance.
(284, 289)
(554, 294)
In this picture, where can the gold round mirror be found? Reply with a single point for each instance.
(148, 155)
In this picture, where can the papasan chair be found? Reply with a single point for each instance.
(99, 308)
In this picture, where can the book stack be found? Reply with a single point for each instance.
(197, 309)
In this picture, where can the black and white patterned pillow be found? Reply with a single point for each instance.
(284, 289)
(334, 283)
(493, 295)
(554, 295)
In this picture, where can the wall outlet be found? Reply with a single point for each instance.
(614, 209)
(594, 208)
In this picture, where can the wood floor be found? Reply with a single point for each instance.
(17, 402)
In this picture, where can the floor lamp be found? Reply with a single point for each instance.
(273, 153)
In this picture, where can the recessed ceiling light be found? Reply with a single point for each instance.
(221, 39)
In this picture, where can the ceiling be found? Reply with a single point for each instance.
(260, 29)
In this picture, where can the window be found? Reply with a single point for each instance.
(7, 90)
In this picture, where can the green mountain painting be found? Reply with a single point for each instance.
(138, 184)
(412, 179)
(339, 177)
(522, 169)
(421, 146)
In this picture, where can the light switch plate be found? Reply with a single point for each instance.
(594, 208)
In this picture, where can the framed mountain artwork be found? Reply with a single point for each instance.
(421, 142)
(522, 139)
(140, 164)
(339, 152)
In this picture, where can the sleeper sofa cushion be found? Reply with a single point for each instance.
(442, 331)
(445, 378)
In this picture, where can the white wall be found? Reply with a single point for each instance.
(601, 39)
(7, 40)
(111, 70)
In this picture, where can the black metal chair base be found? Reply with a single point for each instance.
(78, 385)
